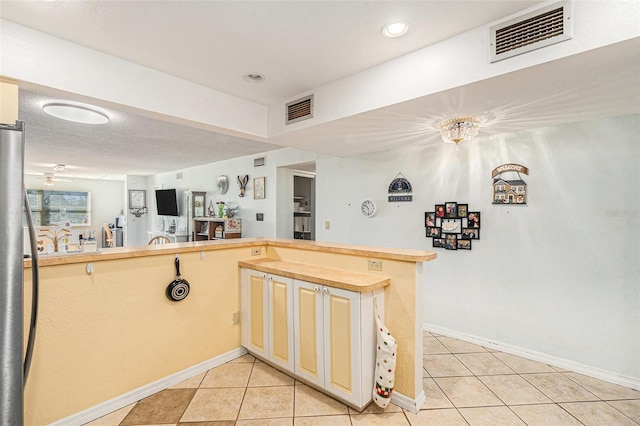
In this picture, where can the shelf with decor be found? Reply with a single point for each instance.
(216, 228)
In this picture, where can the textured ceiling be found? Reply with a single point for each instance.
(130, 144)
(298, 46)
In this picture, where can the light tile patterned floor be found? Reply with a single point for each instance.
(465, 384)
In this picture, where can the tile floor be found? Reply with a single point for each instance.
(465, 384)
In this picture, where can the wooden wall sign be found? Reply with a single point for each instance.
(509, 191)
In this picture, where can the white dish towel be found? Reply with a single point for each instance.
(385, 362)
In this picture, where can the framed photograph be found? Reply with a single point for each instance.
(464, 244)
(258, 188)
(462, 210)
(199, 201)
(429, 219)
(451, 242)
(473, 220)
(137, 198)
(439, 208)
(451, 209)
(434, 232)
(470, 233)
(438, 242)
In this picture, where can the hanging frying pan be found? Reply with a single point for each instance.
(179, 288)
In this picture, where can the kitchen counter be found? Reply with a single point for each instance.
(187, 247)
(318, 274)
(113, 324)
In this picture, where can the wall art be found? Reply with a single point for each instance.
(258, 188)
(452, 226)
(509, 191)
(400, 189)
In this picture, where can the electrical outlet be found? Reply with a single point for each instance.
(236, 318)
(256, 251)
(375, 265)
(327, 225)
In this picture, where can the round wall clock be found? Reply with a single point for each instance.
(368, 208)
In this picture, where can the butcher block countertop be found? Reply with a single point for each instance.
(408, 255)
(338, 278)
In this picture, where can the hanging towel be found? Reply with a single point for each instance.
(385, 362)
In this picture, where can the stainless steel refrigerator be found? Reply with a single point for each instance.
(13, 206)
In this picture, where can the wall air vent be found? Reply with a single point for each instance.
(259, 162)
(534, 30)
(301, 109)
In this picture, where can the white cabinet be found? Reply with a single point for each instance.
(267, 316)
(334, 338)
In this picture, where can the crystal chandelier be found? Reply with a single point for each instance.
(458, 130)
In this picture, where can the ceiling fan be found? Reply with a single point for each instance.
(50, 178)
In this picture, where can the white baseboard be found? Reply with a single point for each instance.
(566, 364)
(135, 395)
(407, 403)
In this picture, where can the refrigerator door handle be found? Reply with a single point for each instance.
(35, 287)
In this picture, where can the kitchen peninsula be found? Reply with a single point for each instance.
(109, 336)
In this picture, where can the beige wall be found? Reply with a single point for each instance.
(105, 334)
(8, 100)
(108, 333)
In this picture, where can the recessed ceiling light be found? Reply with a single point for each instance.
(77, 113)
(395, 29)
(254, 77)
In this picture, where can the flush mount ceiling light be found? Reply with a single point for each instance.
(395, 29)
(77, 113)
(254, 77)
(59, 168)
(459, 130)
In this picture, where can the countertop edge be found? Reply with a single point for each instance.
(333, 277)
(408, 255)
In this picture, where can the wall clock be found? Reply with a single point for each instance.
(368, 208)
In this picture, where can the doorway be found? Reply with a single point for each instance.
(296, 204)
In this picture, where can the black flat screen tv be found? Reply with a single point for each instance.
(167, 202)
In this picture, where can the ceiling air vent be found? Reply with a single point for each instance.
(534, 30)
(301, 109)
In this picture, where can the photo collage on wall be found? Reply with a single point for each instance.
(452, 226)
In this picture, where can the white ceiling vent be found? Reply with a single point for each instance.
(301, 109)
(543, 27)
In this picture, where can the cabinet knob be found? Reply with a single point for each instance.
(326, 290)
(316, 289)
(263, 276)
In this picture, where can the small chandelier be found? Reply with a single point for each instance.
(459, 130)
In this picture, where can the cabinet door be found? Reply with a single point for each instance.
(342, 349)
(254, 301)
(308, 331)
(281, 321)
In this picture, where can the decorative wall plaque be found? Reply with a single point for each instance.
(400, 189)
(452, 226)
(509, 191)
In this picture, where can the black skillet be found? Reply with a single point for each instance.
(179, 288)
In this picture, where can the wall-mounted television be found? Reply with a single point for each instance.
(167, 202)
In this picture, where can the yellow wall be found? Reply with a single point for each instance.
(106, 334)
(8, 100)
